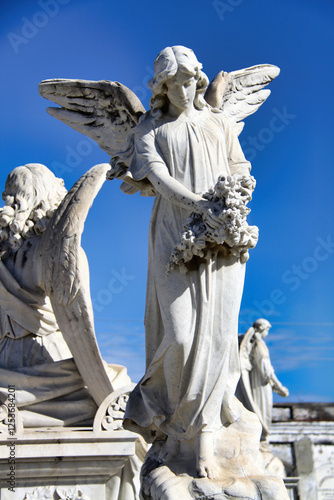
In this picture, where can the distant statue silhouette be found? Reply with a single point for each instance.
(258, 379)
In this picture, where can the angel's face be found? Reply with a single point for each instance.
(181, 91)
(265, 332)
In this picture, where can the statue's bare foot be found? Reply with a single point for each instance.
(205, 459)
(169, 449)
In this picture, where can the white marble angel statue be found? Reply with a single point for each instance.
(186, 153)
(48, 349)
(258, 379)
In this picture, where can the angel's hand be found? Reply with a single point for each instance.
(282, 391)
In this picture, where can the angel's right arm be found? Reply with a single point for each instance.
(174, 191)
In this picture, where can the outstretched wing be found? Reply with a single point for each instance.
(240, 93)
(105, 111)
(65, 278)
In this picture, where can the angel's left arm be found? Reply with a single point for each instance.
(236, 158)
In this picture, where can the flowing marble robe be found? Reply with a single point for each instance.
(260, 377)
(191, 319)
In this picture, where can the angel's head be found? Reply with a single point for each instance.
(262, 326)
(177, 68)
(32, 193)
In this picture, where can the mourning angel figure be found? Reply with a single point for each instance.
(48, 349)
(185, 152)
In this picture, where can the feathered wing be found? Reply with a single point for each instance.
(240, 93)
(104, 111)
(65, 279)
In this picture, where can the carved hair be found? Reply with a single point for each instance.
(32, 194)
(261, 324)
(166, 65)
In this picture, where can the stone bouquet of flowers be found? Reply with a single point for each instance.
(225, 229)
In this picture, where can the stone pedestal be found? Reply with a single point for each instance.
(102, 462)
(70, 464)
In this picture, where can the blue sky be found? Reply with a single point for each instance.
(289, 277)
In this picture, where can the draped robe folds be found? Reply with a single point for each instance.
(191, 319)
(260, 377)
(34, 357)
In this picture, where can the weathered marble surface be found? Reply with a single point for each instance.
(162, 484)
(241, 475)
